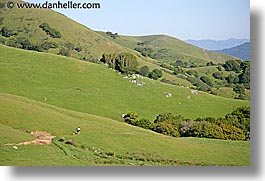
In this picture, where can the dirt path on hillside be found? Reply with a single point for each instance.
(42, 138)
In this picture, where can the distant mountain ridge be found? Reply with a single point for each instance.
(241, 51)
(209, 44)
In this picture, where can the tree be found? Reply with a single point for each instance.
(193, 72)
(179, 70)
(207, 80)
(240, 89)
(179, 63)
(232, 79)
(210, 63)
(232, 65)
(131, 118)
(123, 62)
(155, 74)
(219, 75)
(144, 71)
(244, 77)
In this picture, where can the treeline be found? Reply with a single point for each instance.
(126, 63)
(234, 126)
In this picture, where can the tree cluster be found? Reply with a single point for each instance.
(234, 126)
(123, 62)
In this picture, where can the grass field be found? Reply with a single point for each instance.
(95, 89)
(102, 141)
(42, 91)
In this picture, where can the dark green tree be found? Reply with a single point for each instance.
(232, 65)
(155, 74)
(144, 71)
(232, 79)
(207, 80)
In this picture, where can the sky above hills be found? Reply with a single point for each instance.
(183, 19)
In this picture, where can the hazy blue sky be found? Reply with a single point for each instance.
(183, 19)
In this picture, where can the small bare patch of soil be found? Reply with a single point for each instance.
(42, 138)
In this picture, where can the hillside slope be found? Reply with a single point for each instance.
(240, 51)
(25, 23)
(169, 49)
(96, 89)
(102, 141)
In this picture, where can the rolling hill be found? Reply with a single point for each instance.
(168, 49)
(96, 89)
(43, 25)
(102, 141)
(240, 51)
(41, 91)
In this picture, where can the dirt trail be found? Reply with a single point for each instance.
(42, 138)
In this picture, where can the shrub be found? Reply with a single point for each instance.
(166, 129)
(144, 123)
(1, 19)
(205, 129)
(232, 133)
(193, 72)
(65, 52)
(155, 74)
(207, 80)
(240, 89)
(185, 128)
(179, 70)
(131, 118)
(6, 32)
(144, 71)
(219, 75)
(50, 31)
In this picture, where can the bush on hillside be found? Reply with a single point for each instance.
(206, 129)
(50, 31)
(166, 129)
(232, 133)
(144, 71)
(7, 32)
(155, 74)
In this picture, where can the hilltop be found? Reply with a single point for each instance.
(167, 49)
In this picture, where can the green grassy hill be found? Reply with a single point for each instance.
(102, 141)
(169, 49)
(78, 41)
(96, 89)
(25, 23)
(48, 92)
